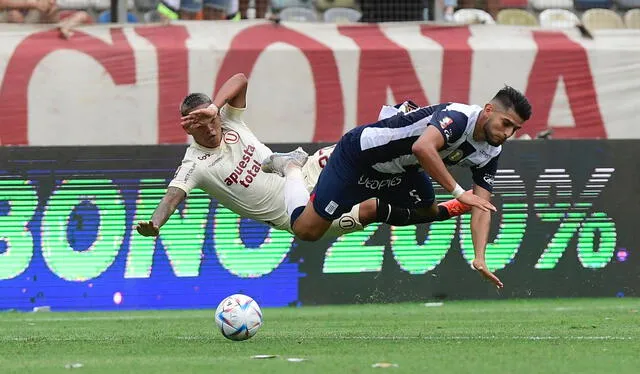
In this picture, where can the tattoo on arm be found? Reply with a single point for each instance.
(167, 206)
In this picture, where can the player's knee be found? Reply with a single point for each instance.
(308, 233)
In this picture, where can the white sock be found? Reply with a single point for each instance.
(295, 191)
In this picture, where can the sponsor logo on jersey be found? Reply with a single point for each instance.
(378, 184)
(445, 122)
(246, 170)
(447, 134)
(489, 179)
(456, 155)
(204, 156)
(231, 137)
(187, 175)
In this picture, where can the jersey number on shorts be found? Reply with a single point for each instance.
(324, 155)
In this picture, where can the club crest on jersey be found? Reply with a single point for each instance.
(231, 137)
(456, 155)
(445, 122)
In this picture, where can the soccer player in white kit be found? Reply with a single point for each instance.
(225, 162)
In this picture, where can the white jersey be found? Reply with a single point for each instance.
(231, 173)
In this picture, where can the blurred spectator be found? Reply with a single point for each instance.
(105, 17)
(215, 9)
(179, 9)
(261, 7)
(391, 10)
(42, 11)
(449, 7)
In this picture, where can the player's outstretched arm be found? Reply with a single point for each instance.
(164, 210)
(480, 224)
(426, 151)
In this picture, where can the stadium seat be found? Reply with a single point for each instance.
(470, 16)
(632, 19)
(74, 4)
(589, 4)
(627, 4)
(602, 19)
(518, 17)
(541, 5)
(323, 5)
(278, 5)
(144, 6)
(513, 4)
(298, 14)
(106, 4)
(558, 18)
(342, 15)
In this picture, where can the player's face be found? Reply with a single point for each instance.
(501, 124)
(206, 133)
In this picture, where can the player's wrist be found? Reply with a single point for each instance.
(214, 107)
(457, 191)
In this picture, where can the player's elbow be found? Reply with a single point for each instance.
(241, 78)
(420, 149)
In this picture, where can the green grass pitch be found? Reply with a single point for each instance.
(519, 336)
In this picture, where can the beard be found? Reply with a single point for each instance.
(489, 138)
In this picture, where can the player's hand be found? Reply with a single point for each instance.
(472, 199)
(147, 229)
(201, 115)
(481, 267)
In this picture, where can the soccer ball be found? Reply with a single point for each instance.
(238, 317)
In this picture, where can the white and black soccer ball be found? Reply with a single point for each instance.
(238, 317)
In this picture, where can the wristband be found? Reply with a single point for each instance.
(457, 191)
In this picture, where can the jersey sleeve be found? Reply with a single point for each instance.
(451, 125)
(186, 176)
(232, 117)
(485, 175)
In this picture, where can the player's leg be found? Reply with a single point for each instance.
(368, 212)
(312, 216)
(410, 202)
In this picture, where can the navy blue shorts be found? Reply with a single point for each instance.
(343, 183)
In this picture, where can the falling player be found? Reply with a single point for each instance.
(386, 159)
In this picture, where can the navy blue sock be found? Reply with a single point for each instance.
(296, 213)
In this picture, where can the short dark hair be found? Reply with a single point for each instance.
(193, 101)
(511, 98)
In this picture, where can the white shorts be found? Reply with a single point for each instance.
(315, 163)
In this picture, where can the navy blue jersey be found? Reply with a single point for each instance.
(385, 146)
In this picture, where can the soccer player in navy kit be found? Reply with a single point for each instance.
(390, 159)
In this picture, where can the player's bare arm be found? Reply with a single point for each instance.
(232, 92)
(426, 151)
(480, 224)
(164, 210)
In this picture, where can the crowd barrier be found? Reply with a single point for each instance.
(308, 82)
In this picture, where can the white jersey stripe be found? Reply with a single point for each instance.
(372, 137)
